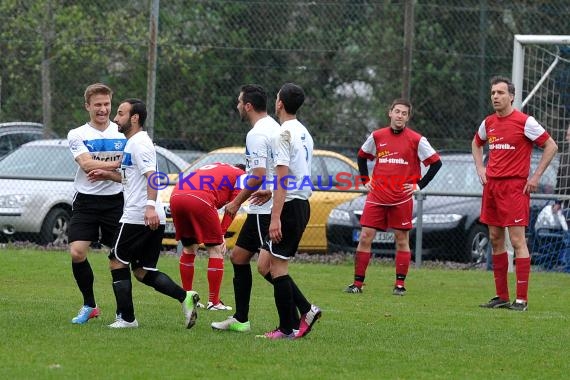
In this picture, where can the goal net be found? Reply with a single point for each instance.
(541, 75)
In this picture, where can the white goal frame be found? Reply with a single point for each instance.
(518, 62)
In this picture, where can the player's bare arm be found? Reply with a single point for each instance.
(549, 151)
(87, 163)
(254, 181)
(151, 217)
(281, 172)
(104, 175)
(477, 152)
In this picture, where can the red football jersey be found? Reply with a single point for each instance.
(398, 158)
(215, 184)
(510, 141)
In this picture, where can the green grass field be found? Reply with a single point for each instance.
(435, 331)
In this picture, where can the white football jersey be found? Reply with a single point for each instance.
(139, 158)
(293, 147)
(259, 154)
(104, 145)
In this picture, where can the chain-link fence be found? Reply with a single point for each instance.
(350, 57)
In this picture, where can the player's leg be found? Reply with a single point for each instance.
(186, 263)
(400, 220)
(83, 229)
(147, 255)
(373, 218)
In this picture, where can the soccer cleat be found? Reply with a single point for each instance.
(518, 306)
(399, 291)
(85, 314)
(276, 334)
(496, 303)
(232, 324)
(353, 289)
(219, 306)
(120, 323)
(307, 321)
(189, 307)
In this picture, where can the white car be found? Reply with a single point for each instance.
(36, 190)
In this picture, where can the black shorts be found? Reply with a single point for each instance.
(294, 219)
(253, 232)
(95, 218)
(138, 245)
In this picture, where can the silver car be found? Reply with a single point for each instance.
(36, 190)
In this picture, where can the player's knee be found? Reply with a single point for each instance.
(140, 274)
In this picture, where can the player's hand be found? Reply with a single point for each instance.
(275, 231)
(231, 209)
(97, 175)
(260, 197)
(410, 188)
(531, 185)
(151, 218)
(482, 174)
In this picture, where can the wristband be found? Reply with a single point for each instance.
(150, 202)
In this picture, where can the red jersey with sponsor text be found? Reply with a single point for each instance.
(510, 140)
(398, 158)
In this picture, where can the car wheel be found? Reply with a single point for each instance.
(55, 228)
(476, 244)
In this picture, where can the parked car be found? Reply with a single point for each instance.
(14, 134)
(188, 155)
(451, 226)
(36, 190)
(329, 169)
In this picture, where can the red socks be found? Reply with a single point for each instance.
(186, 266)
(215, 276)
(361, 260)
(523, 273)
(402, 265)
(500, 271)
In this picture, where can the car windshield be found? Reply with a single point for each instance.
(39, 162)
(225, 157)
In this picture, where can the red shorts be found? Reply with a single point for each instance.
(380, 217)
(195, 218)
(504, 203)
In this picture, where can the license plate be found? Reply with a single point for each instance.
(169, 228)
(380, 237)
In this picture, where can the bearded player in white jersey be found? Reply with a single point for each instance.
(139, 236)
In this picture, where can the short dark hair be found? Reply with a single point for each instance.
(240, 166)
(137, 108)
(254, 95)
(292, 96)
(403, 102)
(499, 79)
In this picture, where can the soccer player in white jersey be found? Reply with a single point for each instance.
(397, 152)
(96, 206)
(293, 152)
(511, 135)
(139, 236)
(252, 107)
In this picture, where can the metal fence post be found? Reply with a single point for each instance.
(419, 226)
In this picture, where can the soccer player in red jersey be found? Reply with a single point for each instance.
(397, 151)
(194, 205)
(511, 135)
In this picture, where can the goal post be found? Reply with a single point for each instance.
(521, 41)
(541, 75)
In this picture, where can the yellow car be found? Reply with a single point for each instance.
(333, 176)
